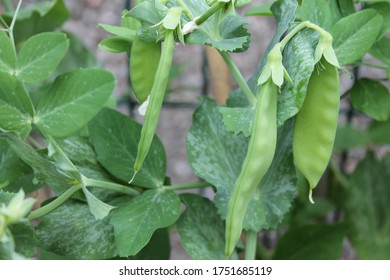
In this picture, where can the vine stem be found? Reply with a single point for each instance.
(212, 10)
(109, 186)
(251, 244)
(11, 27)
(239, 78)
(55, 203)
(187, 186)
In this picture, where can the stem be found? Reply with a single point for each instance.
(251, 244)
(239, 78)
(11, 27)
(34, 142)
(187, 186)
(186, 11)
(384, 67)
(55, 203)
(299, 27)
(212, 10)
(109, 186)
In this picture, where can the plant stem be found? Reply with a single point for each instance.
(212, 10)
(187, 186)
(109, 186)
(384, 67)
(11, 27)
(55, 203)
(186, 11)
(251, 244)
(299, 27)
(239, 78)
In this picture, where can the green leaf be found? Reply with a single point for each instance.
(115, 138)
(348, 137)
(44, 170)
(372, 98)
(158, 248)
(354, 35)
(115, 45)
(122, 32)
(381, 50)
(14, 173)
(384, 10)
(216, 156)
(367, 208)
(311, 242)
(40, 55)
(16, 109)
(238, 120)
(201, 229)
(7, 54)
(37, 18)
(24, 239)
(135, 222)
(317, 12)
(71, 230)
(261, 10)
(379, 132)
(299, 62)
(231, 35)
(73, 100)
(98, 208)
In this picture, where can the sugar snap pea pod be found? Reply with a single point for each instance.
(144, 60)
(261, 150)
(316, 124)
(156, 99)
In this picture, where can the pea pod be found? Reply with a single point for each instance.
(316, 124)
(156, 99)
(258, 159)
(144, 60)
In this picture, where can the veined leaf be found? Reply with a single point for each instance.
(7, 54)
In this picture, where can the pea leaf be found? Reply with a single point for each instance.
(115, 45)
(366, 208)
(379, 132)
(16, 109)
(71, 230)
(384, 10)
(348, 137)
(216, 156)
(201, 229)
(37, 18)
(261, 10)
(311, 242)
(24, 239)
(238, 120)
(372, 98)
(158, 248)
(317, 12)
(381, 50)
(40, 55)
(135, 222)
(73, 99)
(355, 34)
(115, 138)
(7, 54)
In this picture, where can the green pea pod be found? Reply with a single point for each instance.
(316, 124)
(156, 99)
(144, 60)
(258, 159)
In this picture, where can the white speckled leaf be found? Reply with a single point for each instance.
(201, 230)
(238, 120)
(71, 230)
(217, 155)
(136, 221)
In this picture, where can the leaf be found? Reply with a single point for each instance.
(24, 239)
(238, 120)
(7, 54)
(115, 138)
(231, 35)
(354, 35)
(16, 109)
(317, 12)
(98, 208)
(201, 230)
(367, 208)
(348, 137)
(158, 248)
(381, 50)
(40, 55)
(135, 222)
(44, 170)
(311, 242)
(73, 100)
(379, 132)
(71, 230)
(384, 10)
(216, 156)
(14, 173)
(372, 98)
(120, 31)
(115, 45)
(261, 10)
(37, 18)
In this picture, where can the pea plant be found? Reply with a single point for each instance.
(293, 126)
